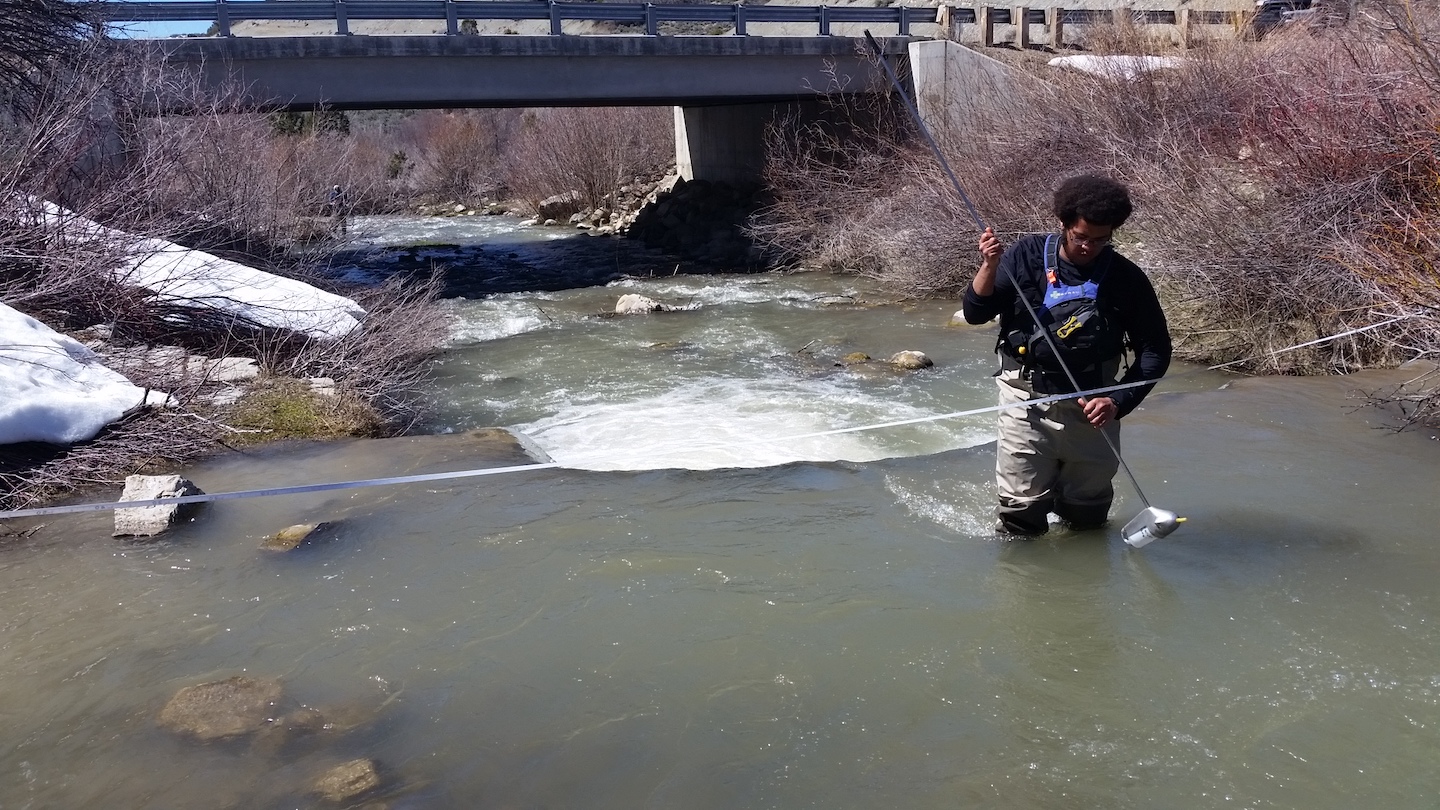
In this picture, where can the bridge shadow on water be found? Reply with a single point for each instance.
(508, 264)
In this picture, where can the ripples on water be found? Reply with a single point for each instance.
(825, 623)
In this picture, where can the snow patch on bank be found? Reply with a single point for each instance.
(1128, 68)
(56, 389)
(198, 280)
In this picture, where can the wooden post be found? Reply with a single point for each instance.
(949, 22)
(1020, 18)
(1182, 22)
(1055, 21)
(985, 17)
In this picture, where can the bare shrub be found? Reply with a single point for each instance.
(1286, 190)
(458, 154)
(381, 363)
(592, 151)
(148, 440)
(40, 38)
(847, 191)
(217, 178)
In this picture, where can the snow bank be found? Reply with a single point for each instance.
(199, 280)
(55, 388)
(1117, 67)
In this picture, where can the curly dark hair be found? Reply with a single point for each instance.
(1095, 198)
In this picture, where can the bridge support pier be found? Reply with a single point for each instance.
(724, 144)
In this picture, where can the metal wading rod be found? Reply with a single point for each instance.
(945, 164)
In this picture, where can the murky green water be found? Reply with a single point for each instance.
(823, 622)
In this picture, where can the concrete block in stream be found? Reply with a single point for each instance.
(147, 521)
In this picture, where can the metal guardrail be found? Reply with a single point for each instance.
(224, 13)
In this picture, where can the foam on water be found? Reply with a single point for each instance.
(384, 230)
(714, 290)
(499, 316)
(739, 423)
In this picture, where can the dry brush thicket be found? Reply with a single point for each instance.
(591, 151)
(214, 179)
(1286, 190)
(220, 176)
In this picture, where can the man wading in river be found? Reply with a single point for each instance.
(1096, 304)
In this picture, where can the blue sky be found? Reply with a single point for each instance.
(156, 30)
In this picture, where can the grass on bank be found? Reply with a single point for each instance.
(280, 408)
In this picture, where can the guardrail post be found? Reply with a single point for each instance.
(222, 19)
(904, 21)
(342, 18)
(949, 22)
(555, 29)
(1020, 18)
(1182, 22)
(1055, 21)
(652, 22)
(824, 21)
(739, 19)
(452, 19)
(985, 18)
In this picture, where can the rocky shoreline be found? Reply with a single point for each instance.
(697, 220)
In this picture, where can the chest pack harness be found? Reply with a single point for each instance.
(1072, 316)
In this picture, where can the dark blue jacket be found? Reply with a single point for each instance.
(1125, 296)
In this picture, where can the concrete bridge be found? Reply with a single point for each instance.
(725, 90)
(397, 72)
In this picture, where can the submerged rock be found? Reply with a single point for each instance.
(147, 521)
(293, 537)
(304, 722)
(221, 709)
(855, 357)
(348, 782)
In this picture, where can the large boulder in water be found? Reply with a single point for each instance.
(561, 206)
(221, 709)
(633, 304)
(958, 320)
(911, 360)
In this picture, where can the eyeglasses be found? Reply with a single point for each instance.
(1086, 241)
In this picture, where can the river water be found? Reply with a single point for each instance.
(698, 610)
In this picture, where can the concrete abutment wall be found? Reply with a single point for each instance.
(724, 144)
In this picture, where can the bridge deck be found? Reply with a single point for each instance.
(356, 72)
